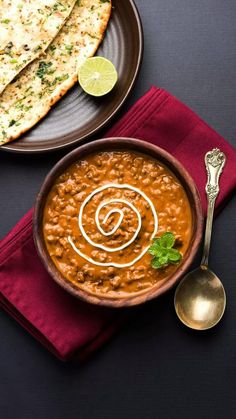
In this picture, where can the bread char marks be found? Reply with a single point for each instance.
(46, 80)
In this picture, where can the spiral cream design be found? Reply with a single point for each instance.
(115, 228)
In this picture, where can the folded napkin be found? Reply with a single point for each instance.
(63, 324)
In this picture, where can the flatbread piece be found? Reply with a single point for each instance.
(26, 30)
(27, 100)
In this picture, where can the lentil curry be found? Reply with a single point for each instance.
(100, 218)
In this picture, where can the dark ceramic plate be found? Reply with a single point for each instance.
(77, 116)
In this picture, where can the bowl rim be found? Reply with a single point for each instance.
(108, 144)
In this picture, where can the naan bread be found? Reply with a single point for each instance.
(26, 30)
(27, 100)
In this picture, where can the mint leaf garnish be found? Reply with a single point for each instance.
(174, 255)
(163, 252)
(155, 263)
(167, 240)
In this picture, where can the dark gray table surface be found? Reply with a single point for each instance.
(154, 367)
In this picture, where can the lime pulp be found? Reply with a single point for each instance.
(97, 76)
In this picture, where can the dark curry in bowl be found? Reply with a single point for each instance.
(99, 218)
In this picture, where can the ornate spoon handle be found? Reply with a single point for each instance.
(215, 161)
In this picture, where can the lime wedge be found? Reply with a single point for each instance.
(97, 76)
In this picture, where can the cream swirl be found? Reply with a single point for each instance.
(117, 225)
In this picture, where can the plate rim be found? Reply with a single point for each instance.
(79, 141)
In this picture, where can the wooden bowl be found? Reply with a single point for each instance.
(111, 144)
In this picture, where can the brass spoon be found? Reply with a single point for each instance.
(200, 298)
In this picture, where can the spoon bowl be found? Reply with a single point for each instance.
(200, 299)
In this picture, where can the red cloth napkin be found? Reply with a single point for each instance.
(64, 325)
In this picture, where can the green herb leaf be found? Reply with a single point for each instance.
(163, 260)
(69, 49)
(43, 69)
(174, 255)
(12, 122)
(167, 240)
(163, 252)
(154, 250)
(155, 263)
(157, 241)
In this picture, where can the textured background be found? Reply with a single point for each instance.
(154, 367)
